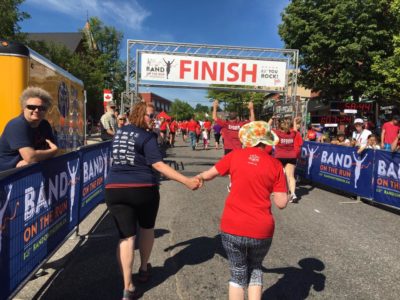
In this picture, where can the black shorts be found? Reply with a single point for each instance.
(226, 151)
(129, 206)
(286, 161)
(217, 136)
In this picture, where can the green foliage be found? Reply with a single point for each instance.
(389, 67)
(338, 40)
(10, 16)
(59, 54)
(181, 110)
(202, 108)
(97, 65)
(237, 100)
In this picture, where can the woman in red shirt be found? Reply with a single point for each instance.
(247, 224)
(173, 127)
(163, 130)
(287, 152)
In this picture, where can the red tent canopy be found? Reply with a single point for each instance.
(164, 115)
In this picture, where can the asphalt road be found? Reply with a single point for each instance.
(327, 246)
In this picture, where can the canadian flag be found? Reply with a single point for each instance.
(107, 96)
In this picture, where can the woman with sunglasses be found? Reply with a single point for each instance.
(28, 138)
(132, 191)
(121, 121)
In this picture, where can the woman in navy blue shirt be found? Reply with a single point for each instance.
(132, 190)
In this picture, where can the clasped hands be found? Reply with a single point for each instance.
(195, 182)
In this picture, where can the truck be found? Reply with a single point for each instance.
(22, 67)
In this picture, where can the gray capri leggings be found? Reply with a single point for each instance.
(245, 256)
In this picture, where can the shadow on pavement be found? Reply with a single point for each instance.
(296, 283)
(92, 272)
(302, 191)
(196, 251)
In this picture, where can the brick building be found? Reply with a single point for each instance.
(160, 103)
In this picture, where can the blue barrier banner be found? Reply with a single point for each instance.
(38, 209)
(96, 162)
(339, 167)
(387, 178)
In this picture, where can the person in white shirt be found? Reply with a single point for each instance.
(360, 136)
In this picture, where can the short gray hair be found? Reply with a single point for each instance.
(35, 92)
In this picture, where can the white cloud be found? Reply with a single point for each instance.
(125, 13)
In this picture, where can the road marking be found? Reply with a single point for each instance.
(317, 211)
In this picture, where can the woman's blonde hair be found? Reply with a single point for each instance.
(138, 113)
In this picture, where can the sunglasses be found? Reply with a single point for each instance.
(151, 116)
(34, 107)
(121, 119)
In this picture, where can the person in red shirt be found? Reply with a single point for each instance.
(287, 151)
(198, 133)
(207, 126)
(389, 132)
(191, 128)
(173, 127)
(163, 129)
(311, 134)
(247, 224)
(231, 127)
(183, 127)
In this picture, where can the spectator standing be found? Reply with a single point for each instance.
(389, 132)
(121, 121)
(372, 143)
(231, 127)
(28, 138)
(311, 134)
(108, 122)
(132, 191)
(360, 135)
(247, 223)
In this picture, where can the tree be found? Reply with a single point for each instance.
(238, 100)
(97, 65)
(181, 110)
(10, 16)
(337, 40)
(202, 108)
(108, 42)
(59, 54)
(389, 67)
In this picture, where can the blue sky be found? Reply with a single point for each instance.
(252, 23)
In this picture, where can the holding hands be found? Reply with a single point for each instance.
(194, 183)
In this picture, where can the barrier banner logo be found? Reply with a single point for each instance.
(96, 164)
(38, 210)
(387, 178)
(337, 166)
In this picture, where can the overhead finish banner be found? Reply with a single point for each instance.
(210, 70)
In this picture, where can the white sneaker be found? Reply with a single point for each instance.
(293, 198)
(228, 187)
